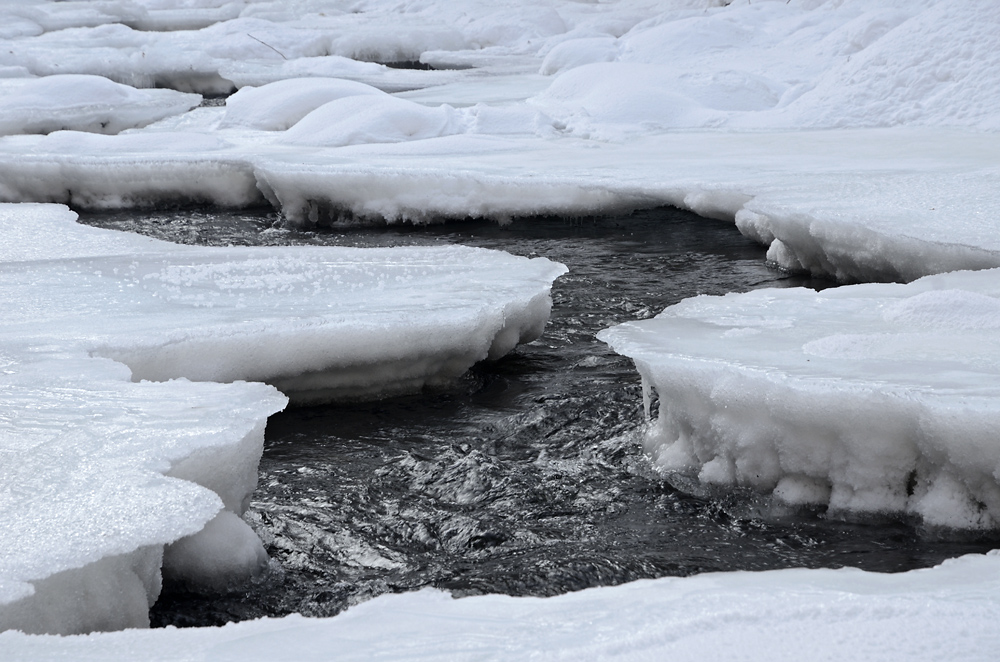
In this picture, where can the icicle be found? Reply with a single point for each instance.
(647, 397)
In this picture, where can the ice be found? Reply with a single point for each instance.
(858, 140)
(219, 556)
(622, 81)
(941, 613)
(277, 106)
(868, 398)
(83, 103)
(773, 65)
(127, 170)
(111, 453)
(246, 73)
(362, 119)
(814, 192)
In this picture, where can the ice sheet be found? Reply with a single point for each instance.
(868, 398)
(857, 139)
(942, 613)
(83, 103)
(108, 449)
(869, 204)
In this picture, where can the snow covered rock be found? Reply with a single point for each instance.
(870, 398)
(103, 467)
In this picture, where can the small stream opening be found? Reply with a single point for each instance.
(525, 477)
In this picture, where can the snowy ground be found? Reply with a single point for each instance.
(943, 613)
(857, 139)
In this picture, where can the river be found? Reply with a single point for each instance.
(525, 477)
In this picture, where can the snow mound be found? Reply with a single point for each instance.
(277, 106)
(931, 615)
(111, 453)
(940, 67)
(870, 398)
(83, 103)
(364, 119)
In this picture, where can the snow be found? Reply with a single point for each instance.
(363, 120)
(942, 613)
(279, 105)
(111, 453)
(83, 103)
(869, 398)
(914, 90)
(858, 140)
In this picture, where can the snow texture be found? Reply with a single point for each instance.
(110, 452)
(858, 140)
(83, 103)
(937, 614)
(868, 398)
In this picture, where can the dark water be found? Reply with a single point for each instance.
(525, 477)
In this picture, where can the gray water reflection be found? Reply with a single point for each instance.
(524, 477)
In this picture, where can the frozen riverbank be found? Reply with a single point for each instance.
(857, 140)
(943, 613)
(102, 332)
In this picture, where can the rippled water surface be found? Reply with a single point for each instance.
(525, 477)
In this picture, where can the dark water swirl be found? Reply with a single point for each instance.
(524, 477)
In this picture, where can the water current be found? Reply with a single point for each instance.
(525, 477)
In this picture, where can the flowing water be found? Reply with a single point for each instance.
(525, 477)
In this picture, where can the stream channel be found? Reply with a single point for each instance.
(526, 476)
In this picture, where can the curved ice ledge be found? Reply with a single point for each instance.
(121, 450)
(870, 398)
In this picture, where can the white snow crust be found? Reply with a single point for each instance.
(578, 102)
(110, 452)
(868, 398)
(938, 614)
(857, 139)
(83, 103)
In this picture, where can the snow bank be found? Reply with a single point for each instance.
(319, 323)
(83, 103)
(868, 398)
(942, 613)
(759, 65)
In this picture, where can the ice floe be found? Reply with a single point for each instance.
(83, 103)
(941, 613)
(116, 437)
(868, 398)
(621, 80)
(857, 139)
